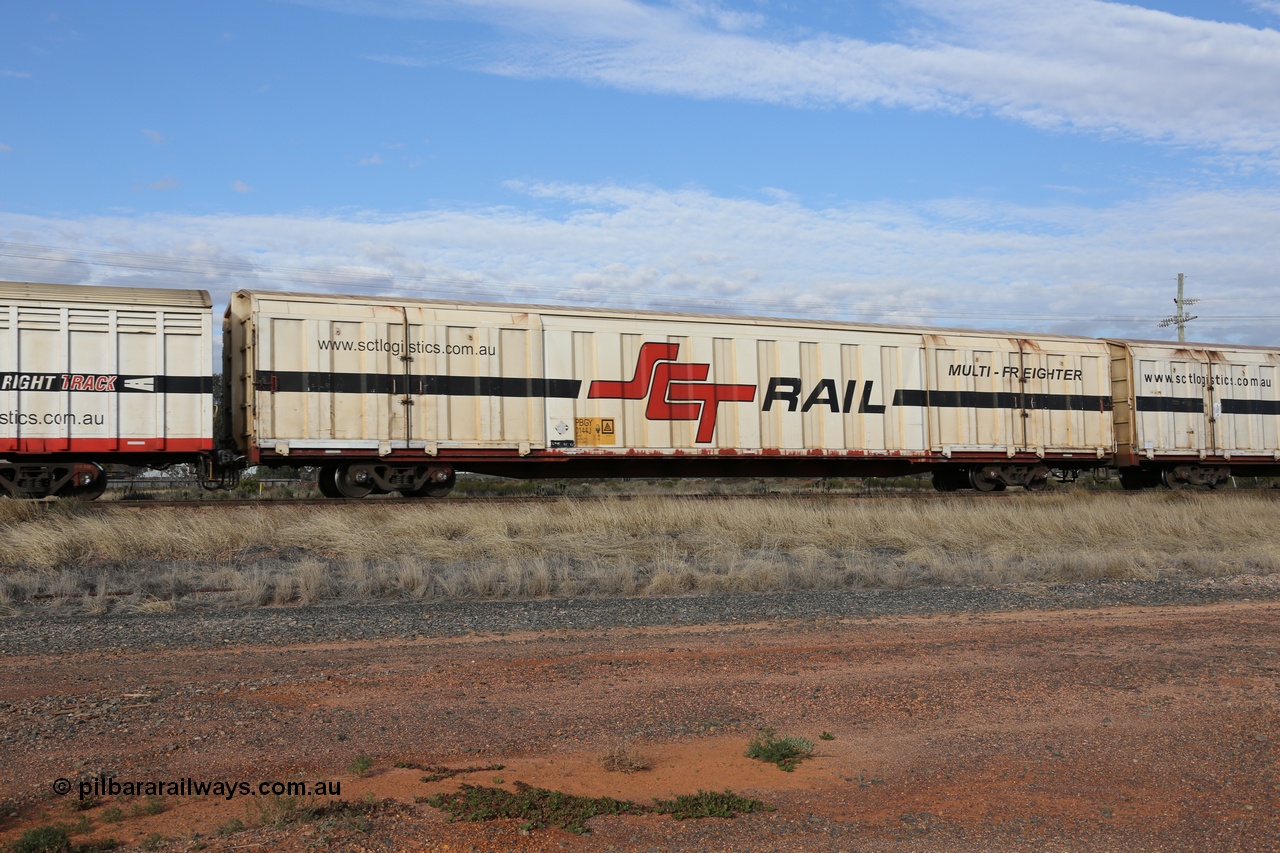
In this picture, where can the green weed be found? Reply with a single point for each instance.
(152, 841)
(539, 808)
(281, 810)
(786, 752)
(43, 839)
(56, 838)
(153, 806)
(708, 804)
(438, 773)
(231, 827)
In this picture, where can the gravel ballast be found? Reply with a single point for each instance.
(54, 631)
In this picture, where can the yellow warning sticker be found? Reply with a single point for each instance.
(593, 432)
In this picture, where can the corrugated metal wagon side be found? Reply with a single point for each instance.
(96, 375)
(395, 395)
(1009, 410)
(685, 395)
(1195, 414)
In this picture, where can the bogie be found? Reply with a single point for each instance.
(80, 480)
(360, 479)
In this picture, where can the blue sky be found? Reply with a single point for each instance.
(1045, 165)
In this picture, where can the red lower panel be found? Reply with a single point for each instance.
(46, 446)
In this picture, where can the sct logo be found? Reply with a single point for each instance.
(676, 392)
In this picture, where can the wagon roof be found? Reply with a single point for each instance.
(124, 296)
(1189, 345)
(625, 313)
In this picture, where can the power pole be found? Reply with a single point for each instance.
(1181, 318)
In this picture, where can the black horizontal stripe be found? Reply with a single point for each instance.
(174, 384)
(416, 385)
(1001, 400)
(90, 383)
(1250, 407)
(1192, 405)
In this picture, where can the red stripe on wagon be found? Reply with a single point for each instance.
(105, 445)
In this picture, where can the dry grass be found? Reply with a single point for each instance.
(625, 758)
(274, 555)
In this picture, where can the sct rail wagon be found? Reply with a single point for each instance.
(397, 395)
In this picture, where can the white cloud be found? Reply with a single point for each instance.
(948, 262)
(17, 75)
(241, 187)
(372, 160)
(5, 149)
(1093, 66)
(155, 136)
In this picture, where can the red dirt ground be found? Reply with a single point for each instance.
(1105, 730)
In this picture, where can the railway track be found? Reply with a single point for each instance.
(126, 504)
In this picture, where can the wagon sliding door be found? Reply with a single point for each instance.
(330, 378)
(342, 374)
(971, 394)
(477, 379)
(1172, 400)
(1000, 395)
(1245, 404)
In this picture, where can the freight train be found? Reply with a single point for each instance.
(389, 394)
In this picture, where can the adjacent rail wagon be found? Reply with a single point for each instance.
(92, 375)
(397, 396)
(1194, 414)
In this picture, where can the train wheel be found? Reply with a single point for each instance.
(435, 488)
(1039, 484)
(325, 482)
(91, 492)
(348, 483)
(1171, 480)
(979, 478)
(87, 482)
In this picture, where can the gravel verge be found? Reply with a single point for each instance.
(52, 632)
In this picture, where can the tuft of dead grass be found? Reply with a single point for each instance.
(625, 758)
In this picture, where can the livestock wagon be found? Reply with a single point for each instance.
(397, 394)
(1194, 414)
(91, 375)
